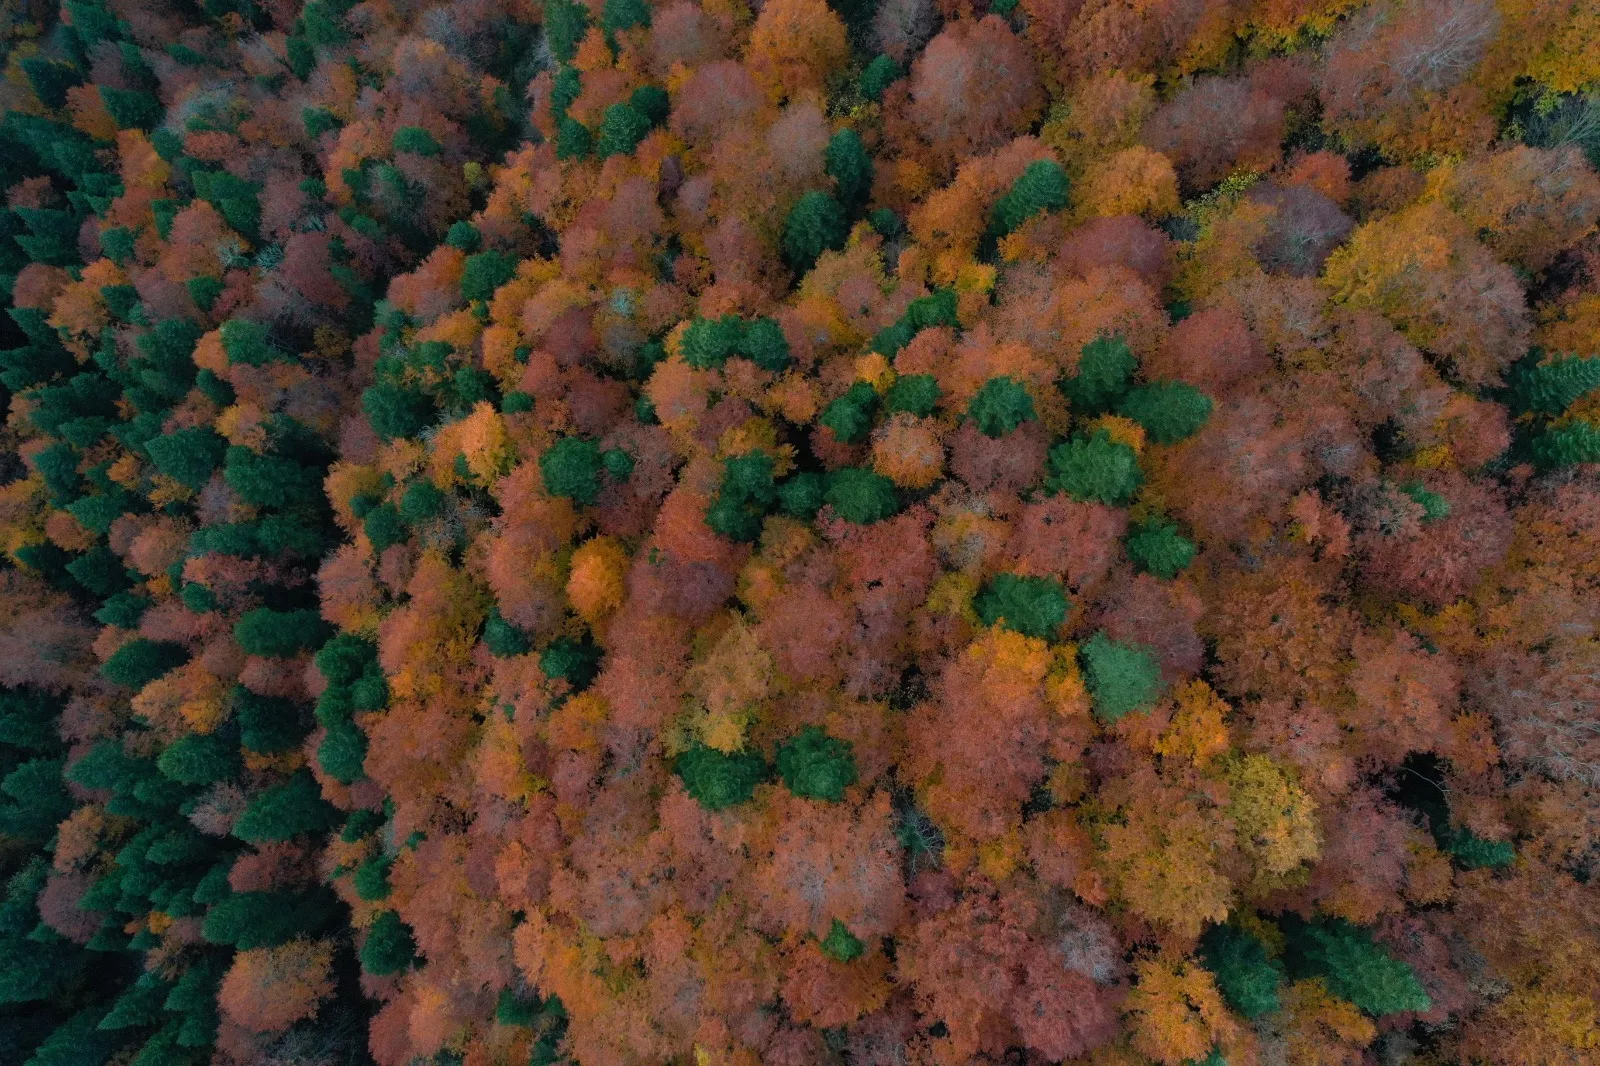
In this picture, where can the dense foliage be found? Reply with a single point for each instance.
(636, 532)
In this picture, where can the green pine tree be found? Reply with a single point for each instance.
(619, 15)
(485, 272)
(744, 497)
(802, 494)
(464, 236)
(383, 527)
(201, 759)
(565, 23)
(1000, 406)
(573, 139)
(503, 639)
(271, 480)
(850, 167)
(281, 634)
(389, 947)
(622, 127)
(1247, 978)
(861, 496)
(371, 879)
(878, 75)
(1095, 469)
(766, 346)
(1568, 445)
(249, 920)
(141, 661)
(1169, 411)
(1158, 548)
(285, 811)
(247, 342)
(916, 394)
(577, 662)
(841, 945)
(1032, 606)
(571, 468)
(1122, 678)
(815, 765)
(51, 79)
(718, 780)
(1105, 370)
(268, 725)
(816, 224)
(1354, 966)
(421, 502)
(1042, 187)
(1550, 388)
(131, 109)
(188, 456)
(709, 342)
(850, 416)
(343, 751)
(416, 140)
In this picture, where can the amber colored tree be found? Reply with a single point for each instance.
(1275, 819)
(795, 47)
(1529, 204)
(1529, 928)
(1099, 117)
(1438, 557)
(595, 582)
(1135, 181)
(1399, 58)
(1175, 1011)
(1316, 1028)
(1197, 732)
(829, 992)
(1165, 857)
(269, 989)
(908, 451)
(1280, 635)
(1404, 695)
(1424, 270)
(1212, 349)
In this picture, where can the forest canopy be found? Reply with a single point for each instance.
(800, 533)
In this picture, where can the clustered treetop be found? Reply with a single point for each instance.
(622, 532)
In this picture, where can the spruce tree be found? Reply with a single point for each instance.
(388, 947)
(286, 810)
(1158, 548)
(1122, 678)
(1000, 406)
(571, 468)
(1105, 370)
(816, 224)
(1169, 411)
(1247, 978)
(815, 765)
(1354, 966)
(861, 496)
(1032, 606)
(1095, 469)
(1042, 187)
(850, 167)
(717, 779)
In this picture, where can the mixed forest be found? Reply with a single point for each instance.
(871, 533)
